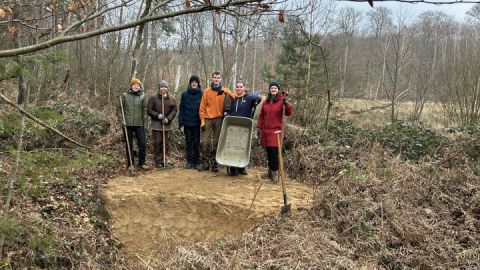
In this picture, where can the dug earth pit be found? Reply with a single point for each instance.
(167, 206)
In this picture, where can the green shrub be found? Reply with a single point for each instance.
(409, 141)
(344, 131)
(11, 229)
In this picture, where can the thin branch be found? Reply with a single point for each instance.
(420, 1)
(91, 16)
(65, 39)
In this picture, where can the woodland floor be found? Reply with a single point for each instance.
(164, 207)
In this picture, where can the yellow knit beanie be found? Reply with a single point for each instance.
(134, 81)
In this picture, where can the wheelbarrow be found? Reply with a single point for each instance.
(233, 149)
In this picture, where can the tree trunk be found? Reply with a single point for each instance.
(254, 47)
(177, 79)
(344, 73)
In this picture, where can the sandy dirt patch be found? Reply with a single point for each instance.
(167, 206)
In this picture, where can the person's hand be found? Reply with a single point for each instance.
(160, 116)
(181, 129)
(123, 125)
(165, 121)
(285, 101)
(219, 92)
(225, 114)
(203, 128)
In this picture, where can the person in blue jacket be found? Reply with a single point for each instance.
(189, 121)
(243, 105)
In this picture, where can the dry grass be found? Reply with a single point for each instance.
(372, 210)
(432, 117)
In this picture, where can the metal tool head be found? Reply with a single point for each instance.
(286, 210)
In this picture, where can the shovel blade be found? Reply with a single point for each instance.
(286, 210)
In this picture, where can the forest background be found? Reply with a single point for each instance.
(408, 87)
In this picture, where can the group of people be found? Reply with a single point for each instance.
(200, 117)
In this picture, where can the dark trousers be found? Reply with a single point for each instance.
(272, 156)
(192, 144)
(210, 137)
(158, 145)
(141, 141)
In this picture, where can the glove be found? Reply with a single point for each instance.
(219, 92)
(259, 133)
(181, 129)
(160, 116)
(165, 121)
(285, 101)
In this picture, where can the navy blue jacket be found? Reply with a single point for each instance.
(189, 108)
(243, 106)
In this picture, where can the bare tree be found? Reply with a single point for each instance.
(348, 24)
(397, 61)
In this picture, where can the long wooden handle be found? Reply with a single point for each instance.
(163, 134)
(280, 163)
(126, 134)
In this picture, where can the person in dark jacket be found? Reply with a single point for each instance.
(162, 109)
(270, 120)
(242, 105)
(135, 112)
(189, 121)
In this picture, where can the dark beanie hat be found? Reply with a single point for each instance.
(194, 78)
(274, 83)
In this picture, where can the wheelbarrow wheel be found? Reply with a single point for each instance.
(232, 171)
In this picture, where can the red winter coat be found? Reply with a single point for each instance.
(270, 120)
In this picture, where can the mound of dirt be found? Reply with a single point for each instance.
(165, 207)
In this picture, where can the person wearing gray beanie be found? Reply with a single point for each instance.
(162, 109)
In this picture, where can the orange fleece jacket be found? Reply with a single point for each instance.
(211, 106)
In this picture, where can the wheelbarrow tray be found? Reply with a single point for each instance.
(235, 141)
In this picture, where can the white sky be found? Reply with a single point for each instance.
(457, 10)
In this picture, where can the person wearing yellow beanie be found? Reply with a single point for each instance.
(135, 81)
(134, 106)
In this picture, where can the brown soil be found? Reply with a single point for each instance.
(168, 206)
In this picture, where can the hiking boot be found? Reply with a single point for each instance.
(267, 175)
(144, 167)
(274, 177)
(242, 171)
(215, 167)
(203, 167)
(189, 165)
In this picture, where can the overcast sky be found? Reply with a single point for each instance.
(456, 10)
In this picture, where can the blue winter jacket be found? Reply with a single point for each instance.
(189, 107)
(243, 106)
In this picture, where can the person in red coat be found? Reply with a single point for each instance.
(271, 120)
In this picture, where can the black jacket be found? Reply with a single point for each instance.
(189, 108)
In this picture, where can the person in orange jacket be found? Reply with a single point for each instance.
(212, 109)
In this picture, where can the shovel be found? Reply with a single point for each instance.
(286, 209)
(130, 171)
